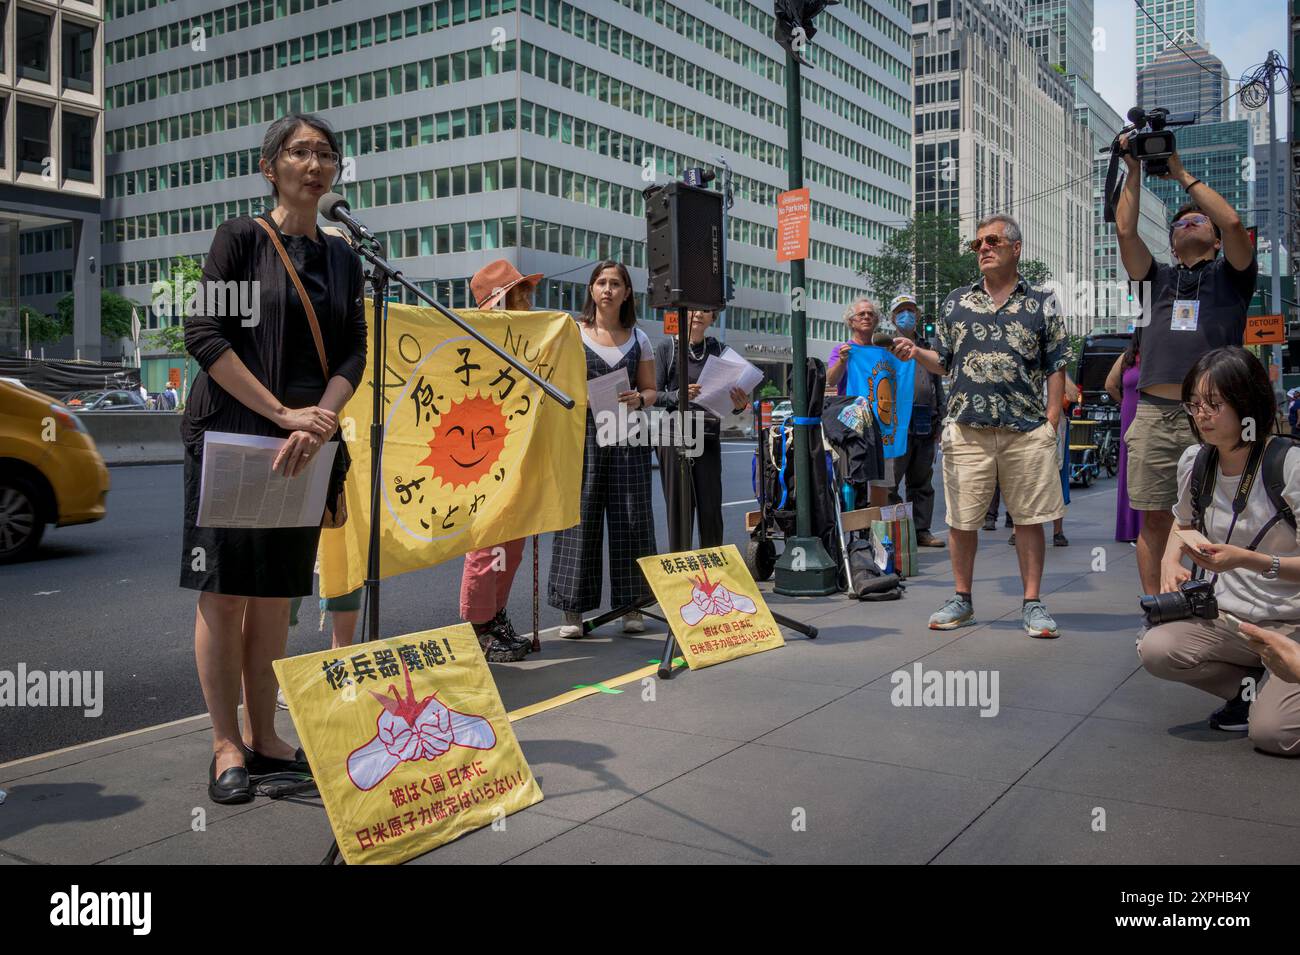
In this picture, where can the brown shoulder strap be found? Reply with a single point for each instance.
(302, 294)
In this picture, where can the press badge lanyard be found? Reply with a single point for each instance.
(1178, 321)
(1238, 501)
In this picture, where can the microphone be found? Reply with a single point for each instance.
(334, 207)
(882, 339)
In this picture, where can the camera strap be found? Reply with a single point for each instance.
(1204, 472)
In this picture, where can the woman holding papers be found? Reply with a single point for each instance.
(279, 365)
(704, 495)
(615, 477)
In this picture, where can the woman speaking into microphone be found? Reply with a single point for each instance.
(285, 371)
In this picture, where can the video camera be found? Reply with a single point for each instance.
(1152, 143)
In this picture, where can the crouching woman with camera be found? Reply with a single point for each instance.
(1240, 489)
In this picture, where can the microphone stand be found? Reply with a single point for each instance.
(382, 272)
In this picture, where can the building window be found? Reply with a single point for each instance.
(4, 114)
(78, 146)
(79, 57)
(33, 46)
(33, 137)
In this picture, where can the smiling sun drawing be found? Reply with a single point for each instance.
(469, 439)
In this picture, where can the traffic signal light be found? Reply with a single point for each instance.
(929, 329)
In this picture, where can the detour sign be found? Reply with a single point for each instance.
(1265, 330)
(712, 604)
(408, 741)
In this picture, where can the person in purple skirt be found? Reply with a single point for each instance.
(1121, 383)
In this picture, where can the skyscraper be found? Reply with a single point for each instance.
(996, 132)
(1179, 20)
(525, 129)
(1060, 31)
(1187, 79)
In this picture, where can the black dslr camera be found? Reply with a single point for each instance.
(1152, 143)
(1193, 598)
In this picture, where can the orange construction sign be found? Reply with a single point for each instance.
(793, 212)
(1265, 330)
(670, 323)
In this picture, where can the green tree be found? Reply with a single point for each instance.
(171, 337)
(42, 329)
(925, 257)
(1035, 271)
(114, 314)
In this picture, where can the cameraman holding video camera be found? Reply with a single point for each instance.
(1189, 308)
(1238, 494)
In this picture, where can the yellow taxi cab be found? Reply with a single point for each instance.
(50, 471)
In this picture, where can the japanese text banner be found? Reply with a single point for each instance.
(474, 454)
(712, 604)
(408, 741)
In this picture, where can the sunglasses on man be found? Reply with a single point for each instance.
(1186, 222)
(992, 241)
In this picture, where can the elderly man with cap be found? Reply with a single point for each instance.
(916, 467)
(485, 583)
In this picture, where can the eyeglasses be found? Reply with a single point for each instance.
(1187, 222)
(864, 316)
(1194, 408)
(992, 241)
(301, 154)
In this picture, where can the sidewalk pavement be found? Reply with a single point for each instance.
(724, 763)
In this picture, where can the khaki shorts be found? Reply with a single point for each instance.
(1155, 441)
(1026, 464)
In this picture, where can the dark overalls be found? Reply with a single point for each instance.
(615, 487)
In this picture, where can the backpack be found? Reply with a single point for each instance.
(1270, 471)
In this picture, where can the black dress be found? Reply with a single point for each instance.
(279, 351)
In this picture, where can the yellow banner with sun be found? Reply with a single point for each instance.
(474, 453)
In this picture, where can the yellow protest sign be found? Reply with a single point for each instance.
(408, 741)
(715, 609)
(474, 453)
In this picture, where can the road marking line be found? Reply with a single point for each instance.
(574, 695)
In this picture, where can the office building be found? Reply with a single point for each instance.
(51, 167)
(996, 132)
(1183, 21)
(1061, 33)
(1190, 79)
(476, 129)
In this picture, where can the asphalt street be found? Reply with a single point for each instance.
(105, 597)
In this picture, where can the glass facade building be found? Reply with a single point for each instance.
(1174, 80)
(525, 129)
(1181, 20)
(1061, 33)
(51, 167)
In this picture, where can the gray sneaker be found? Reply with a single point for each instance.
(955, 613)
(1038, 622)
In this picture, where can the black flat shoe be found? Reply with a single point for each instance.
(230, 787)
(259, 765)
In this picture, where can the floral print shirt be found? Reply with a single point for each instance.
(999, 358)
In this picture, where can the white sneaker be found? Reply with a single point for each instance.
(633, 623)
(572, 628)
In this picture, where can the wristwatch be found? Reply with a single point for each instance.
(1274, 569)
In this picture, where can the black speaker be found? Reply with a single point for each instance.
(684, 247)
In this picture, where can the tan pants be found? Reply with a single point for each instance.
(1207, 655)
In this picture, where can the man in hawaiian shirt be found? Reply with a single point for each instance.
(1001, 340)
